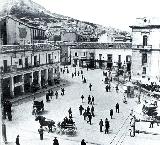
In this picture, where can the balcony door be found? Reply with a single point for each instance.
(5, 65)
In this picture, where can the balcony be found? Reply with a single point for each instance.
(29, 67)
(148, 47)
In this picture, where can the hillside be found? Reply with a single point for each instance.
(34, 14)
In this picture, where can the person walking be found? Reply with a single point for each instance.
(88, 109)
(89, 99)
(89, 118)
(92, 100)
(92, 111)
(111, 113)
(56, 93)
(40, 130)
(90, 86)
(106, 88)
(82, 77)
(106, 126)
(101, 125)
(55, 141)
(78, 73)
(83, 142)
(17, 140)
(72, 75)
(82, 97)
(117, 108)
(81, 109)
(117, 88)
(81, 71)
(70, 112)
(85, 114)
(47, 97)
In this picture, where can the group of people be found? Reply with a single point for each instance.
(107, 125)
(67, 121)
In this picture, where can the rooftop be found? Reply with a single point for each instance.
(96, 45)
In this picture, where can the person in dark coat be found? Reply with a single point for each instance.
(117, 88)
(92, 100)
(17, 140)
(82, 97)
(90, 86)
(111, 113)
(92, 111)
(84, 80)
(47, 97)
(83, 142)
(85, 114)
(67, 70)
(40, 130)
(72, 75)
(106, 126)
(101, 125)
(82, 77)
(70, 112)
(55, 141)
(81, 109)
(109, 87)
(117, 108)
(56, 93)
(89, 99)
(89, 118)
(63, 71)
(78, 73)
(81, 71)
(88, 109)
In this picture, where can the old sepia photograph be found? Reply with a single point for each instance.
(79, 72)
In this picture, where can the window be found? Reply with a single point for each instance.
(144, 70)
(75, 53)
(100, 56)
(145, 40)
(144, 58)
(128, 58)
(20, 61)
(84, 53)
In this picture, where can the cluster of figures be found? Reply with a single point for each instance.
(7, 111)
(63, 70)
(67, 121)
(50, 93)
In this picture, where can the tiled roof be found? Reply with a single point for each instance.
(103, 46)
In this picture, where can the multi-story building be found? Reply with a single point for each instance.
(146, 49)
(98, 55)
(28, 68)
(14, 31)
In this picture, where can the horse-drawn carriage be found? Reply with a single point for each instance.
(38, 106)
(67, 128)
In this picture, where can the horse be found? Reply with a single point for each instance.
(43, 122)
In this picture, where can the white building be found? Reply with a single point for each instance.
(28, 67)
(146, 49)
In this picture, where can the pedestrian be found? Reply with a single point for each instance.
(117, 108)
(109, 87)
(82, 97)
(17, 140)
(67, 70)
(88, 109)
(70, 112)
(84, 80)
(83, 142)
(92, 100)
(82, 77)
(75, 73)
(92, 111)
(63, 71)
(89, 99)
(72, 75)
(85, 114)
(106, 126)
(55, 141)
(47, 97)
(81, 109)
(81, 71)
(78, 73)
(111, 113)
(101, 125)
(40, 130)
(117, 88)
(90, 86)
(87, 67)
(89, 117)
(106, 88)
(56, 93)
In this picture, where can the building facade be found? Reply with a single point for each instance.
(13, 31)
(28, 68)
(102, 55)
(146, 49)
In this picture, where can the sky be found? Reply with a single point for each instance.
(116, 13)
